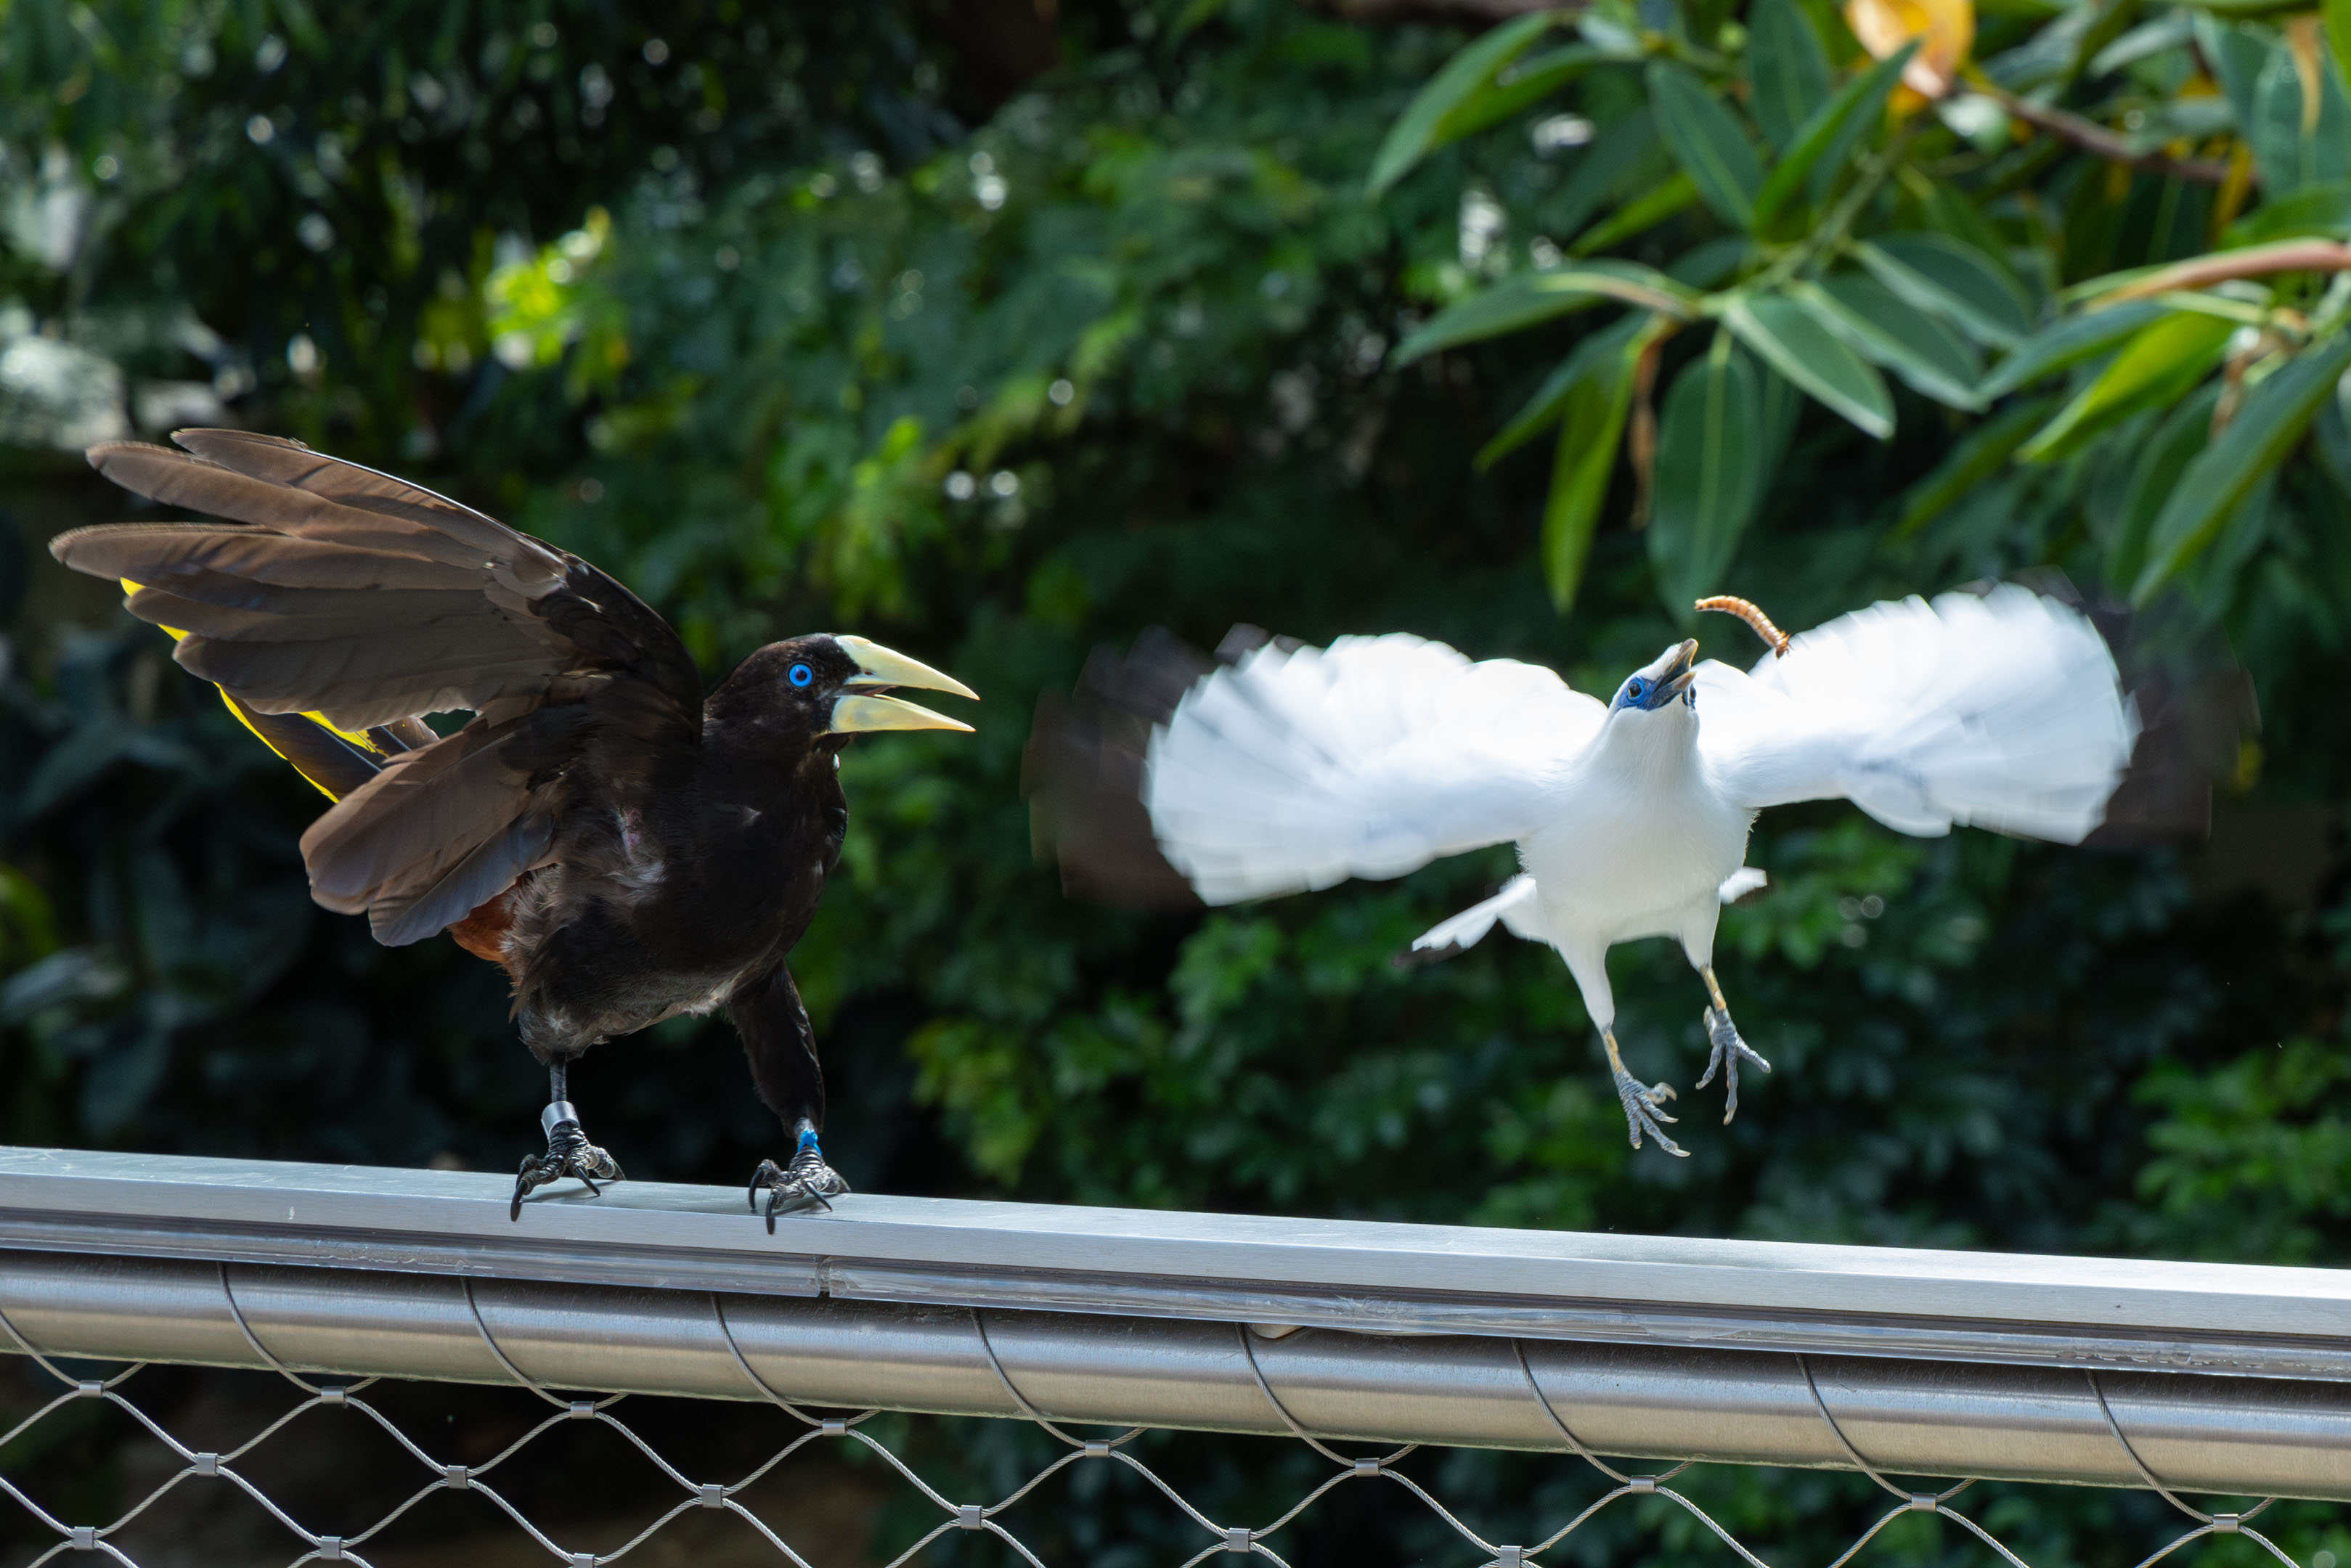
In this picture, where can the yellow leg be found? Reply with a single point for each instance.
(1644, 1104)
(1723, 1035)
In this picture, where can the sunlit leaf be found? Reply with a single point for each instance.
(2269, 425)
(2068, 342)
(1787, 69)
(2157, 366)
(1706, 141)
(1528, 298)
(1420, 128)
(1710, 471)
(1795, 343)
(1945, 30)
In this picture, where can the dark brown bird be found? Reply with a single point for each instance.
(626, 848)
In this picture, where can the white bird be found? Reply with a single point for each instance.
(1297, 767)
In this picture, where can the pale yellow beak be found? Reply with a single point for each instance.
(878, 667)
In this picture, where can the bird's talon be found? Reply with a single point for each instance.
(568, 1154)
(1645, 1113)
(805, 1182)
(1728, 1051)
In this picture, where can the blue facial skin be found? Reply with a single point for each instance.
(1641, 692)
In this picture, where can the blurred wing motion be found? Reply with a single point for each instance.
(1297, 767)
(350, 603)
(2002, 711)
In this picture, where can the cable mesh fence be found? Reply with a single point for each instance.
(1215, 1538)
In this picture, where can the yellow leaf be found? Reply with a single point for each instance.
(1948, 27)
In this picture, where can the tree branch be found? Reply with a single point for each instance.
(2095, 138)
(2254, 261)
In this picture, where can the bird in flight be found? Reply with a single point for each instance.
(625, 846)
(1292, 768)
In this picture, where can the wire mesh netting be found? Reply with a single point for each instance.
(237, 1466)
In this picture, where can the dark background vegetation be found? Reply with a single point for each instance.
(733, 299)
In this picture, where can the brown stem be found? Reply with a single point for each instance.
(2093, 138)
(2254, 261)
(1641, 439)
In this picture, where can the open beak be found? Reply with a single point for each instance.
(862, 708)
(1683, 670)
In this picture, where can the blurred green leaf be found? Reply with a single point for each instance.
(1956, 281)
(1709, 474)
(1592, 423)
(1787, 69)
(1706, 141)
(1526, 298)
(1929, 357)
(1827, 139)
(2321, 211)
(2067, 341)
(2298, 143)
(2270, 425)
(2156, 468)
(1638, 216)
(1790, 337)
(1978, 454)
(2159, 364)
(1422, 127)
(1587, 359)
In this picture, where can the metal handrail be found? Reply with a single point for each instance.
(2205, 1377)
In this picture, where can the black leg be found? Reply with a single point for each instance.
(781, 1046)
(569, 1152)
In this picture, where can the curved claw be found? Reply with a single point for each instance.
(569, 1155)
(806, 1182)
(1644, 1110)
(1728, 1048)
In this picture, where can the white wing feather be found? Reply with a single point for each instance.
(1300, 768)
(2001, 711)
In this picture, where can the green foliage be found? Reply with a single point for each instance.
(1137, 345)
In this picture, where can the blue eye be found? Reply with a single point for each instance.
(799, 675)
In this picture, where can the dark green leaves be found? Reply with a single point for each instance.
(1706, 141)
(1526, 298)
(1929, 356)
(1793, 341)
(1710, 473)
(1954, 280)
(1445, 108)
(2268, 425)
(1827, 136)
(1787, 69)
(1592, 423)
(2068, 342)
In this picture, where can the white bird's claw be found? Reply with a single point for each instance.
(1645, 1109)
(1728, 1051)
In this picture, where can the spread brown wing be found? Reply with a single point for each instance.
(367, 601)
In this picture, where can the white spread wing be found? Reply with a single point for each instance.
(1299, 768)
(2001, 711)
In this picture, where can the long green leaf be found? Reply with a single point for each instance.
(1709, 474)
(2155, 367)
(1928, 356)
(2156, 469)
(2269, 425)
(2314, 211)
(1834, 126)
(1980, 454)
(1706, 141)
(1528, 298)
(1638, 216)
(1417, 131)
(1787, 69)
(1586, 360)
(2068, 342)
(1592, 425)
(2289, 159)
(1956, 281)
(1792, 342)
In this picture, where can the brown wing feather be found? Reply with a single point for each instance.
(369, 601)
